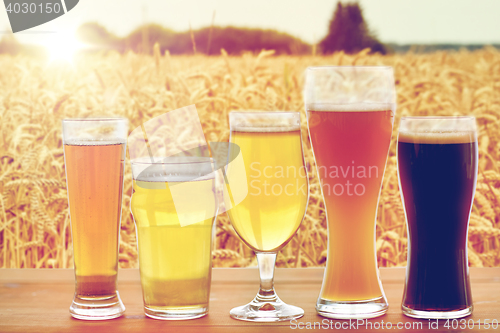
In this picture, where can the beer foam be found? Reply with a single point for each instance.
(172, 169)
(266, 129)
(264, 122)
(438, 137)
(167, 177)
(94, 142)
(358, 107)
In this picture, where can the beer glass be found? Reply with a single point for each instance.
(94, 153)
(350, 113)
(174, 208)
(273, 209)
(437, 168)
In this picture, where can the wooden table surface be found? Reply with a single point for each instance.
(37, 300)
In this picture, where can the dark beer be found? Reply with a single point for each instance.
(437, 173)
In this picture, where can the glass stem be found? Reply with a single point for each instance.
(266, 261)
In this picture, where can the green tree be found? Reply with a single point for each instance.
(349, 32)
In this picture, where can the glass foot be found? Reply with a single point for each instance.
(97, 308)
(266, 311)
(352, 310)
(422, 314)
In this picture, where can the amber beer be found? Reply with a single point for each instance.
(437, 173)
(94, 175)
(350, 113)
(350, 147)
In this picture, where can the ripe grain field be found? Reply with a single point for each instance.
(35, 96)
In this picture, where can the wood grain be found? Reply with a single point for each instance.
(34, 300)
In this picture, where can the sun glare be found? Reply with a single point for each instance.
(62, 48)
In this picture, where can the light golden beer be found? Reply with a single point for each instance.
(175, 260)
(277, 196)
(94, 154)
(266, 194)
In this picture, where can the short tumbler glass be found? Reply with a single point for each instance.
(174, 208)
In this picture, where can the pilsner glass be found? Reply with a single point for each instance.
(174, 208)
(94, 154)
(350, 114)
(268, 217)
(437, 168)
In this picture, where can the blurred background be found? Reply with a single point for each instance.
(289, 27)
(140, 59)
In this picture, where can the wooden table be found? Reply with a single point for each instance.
(37, 300)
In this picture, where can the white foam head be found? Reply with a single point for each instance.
(265, 122)
(357, 107)
(442, 130)
(348, 87)
(172, 169)
(437, 137)
(95, 142)
(94, 131)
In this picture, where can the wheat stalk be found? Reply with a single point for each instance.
(34, 223)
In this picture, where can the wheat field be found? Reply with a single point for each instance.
(35, 96)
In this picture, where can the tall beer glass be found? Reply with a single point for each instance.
(270, 214)
(437, 168)
(94, 154)
(174, 208)
(350, 112)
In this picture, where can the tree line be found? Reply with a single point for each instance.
(208, 40)
(347, 31)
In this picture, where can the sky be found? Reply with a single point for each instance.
(397, 21)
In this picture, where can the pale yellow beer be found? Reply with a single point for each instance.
(266, 193)
(175, 260)
(277, 196)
